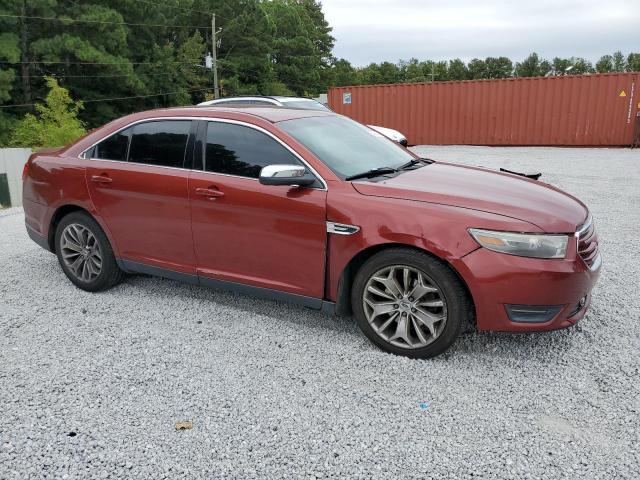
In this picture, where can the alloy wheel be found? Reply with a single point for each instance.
(404, 307)
(81, 252)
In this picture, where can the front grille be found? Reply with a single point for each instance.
(588, 243)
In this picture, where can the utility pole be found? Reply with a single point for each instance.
(214, 54)
(433, 72)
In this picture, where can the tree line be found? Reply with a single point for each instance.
(414, 70)
(121, 56)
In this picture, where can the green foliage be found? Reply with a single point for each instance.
(301, 45)
(477, 69)
(500, 67)
(619, 62)
(458, 70)
(529, 67)
(57, 122)
(633, 62)
(605, 64)
(276, 47)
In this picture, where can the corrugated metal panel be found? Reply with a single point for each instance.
(572, 110)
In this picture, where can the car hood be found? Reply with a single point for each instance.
(545, 206)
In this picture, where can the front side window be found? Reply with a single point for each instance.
(345, 146)
(113, 148)
(161, 143)
(242, 151)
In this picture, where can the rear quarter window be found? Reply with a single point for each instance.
(112, 148)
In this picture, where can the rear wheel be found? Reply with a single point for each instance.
(85, 254)
(409, 303)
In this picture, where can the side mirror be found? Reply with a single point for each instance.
(292, 175)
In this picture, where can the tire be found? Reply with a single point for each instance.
(80, 241)
(418, 314)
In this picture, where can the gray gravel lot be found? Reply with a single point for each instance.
(91, 385)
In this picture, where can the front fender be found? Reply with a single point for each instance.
(440, 230)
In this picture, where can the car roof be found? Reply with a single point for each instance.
(265, 98)
(246, 114)
(270, 114)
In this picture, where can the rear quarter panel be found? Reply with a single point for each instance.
(53, 182)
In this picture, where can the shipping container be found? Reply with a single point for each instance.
(580, 110)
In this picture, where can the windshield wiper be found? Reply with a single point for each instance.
(416, 161)
(374, 172)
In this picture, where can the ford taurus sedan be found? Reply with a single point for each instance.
(313, 208)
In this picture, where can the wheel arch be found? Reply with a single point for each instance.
(64, 210)
(343, 300)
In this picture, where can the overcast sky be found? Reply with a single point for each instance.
(376, 30)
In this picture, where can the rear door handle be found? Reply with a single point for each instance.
(101, 179)
(209, 192)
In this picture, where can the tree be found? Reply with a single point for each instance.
(412, 71)
(9, 52)
(301, 45)
(530, 67)
(581, 66)
(619, 62)
(57, 123)
(342, 73)
(560, 65)
(457, 70)
(546, 68)
(633, 62)
(500, 67)
(477, 69)
(605, 64)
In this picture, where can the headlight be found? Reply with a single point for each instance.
(522, 244)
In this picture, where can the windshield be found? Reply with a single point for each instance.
(346, 147)
(305, 104)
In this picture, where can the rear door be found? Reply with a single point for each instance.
(138, 179)
(265, 236)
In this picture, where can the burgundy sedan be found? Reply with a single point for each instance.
(313, 208)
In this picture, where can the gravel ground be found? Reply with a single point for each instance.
(92, 385)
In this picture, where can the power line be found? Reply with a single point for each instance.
(155, 4)
(102, 22)
(55, 75)
(46, 62)
(95, 100)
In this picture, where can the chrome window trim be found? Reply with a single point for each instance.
(206, 119)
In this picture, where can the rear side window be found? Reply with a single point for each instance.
(242, 151)
(114, 147)
(160, 143)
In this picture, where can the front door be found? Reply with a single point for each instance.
(139, 185)
(271, 237)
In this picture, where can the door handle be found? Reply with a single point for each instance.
(211, 193)
(101, 179)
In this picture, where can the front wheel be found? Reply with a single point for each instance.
(409, 303)
(85, 254)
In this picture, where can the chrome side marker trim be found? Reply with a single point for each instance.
(342, 229)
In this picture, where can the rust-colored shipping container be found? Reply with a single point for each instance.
(589, 110)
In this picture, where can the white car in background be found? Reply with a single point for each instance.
(294, 102)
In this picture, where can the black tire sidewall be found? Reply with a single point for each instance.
(456, 299)
(110, 269)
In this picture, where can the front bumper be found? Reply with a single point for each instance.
(498, 282)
